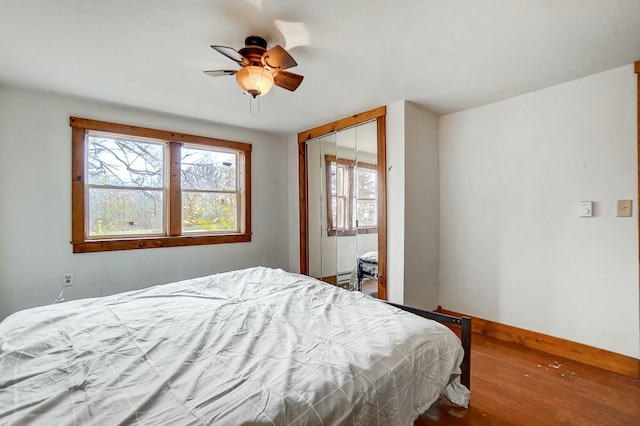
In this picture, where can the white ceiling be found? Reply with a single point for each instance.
(355, 55)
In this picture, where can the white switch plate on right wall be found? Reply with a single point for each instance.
(624, 208)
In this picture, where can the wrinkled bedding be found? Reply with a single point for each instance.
(256, 346)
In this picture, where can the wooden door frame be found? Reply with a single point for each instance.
(378, 114)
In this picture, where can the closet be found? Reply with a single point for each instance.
(343, 202)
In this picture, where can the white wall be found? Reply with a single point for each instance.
(35, 206)
(513, 248)
(412, 206)
(421, 246)
(395, 201)
(293, 193)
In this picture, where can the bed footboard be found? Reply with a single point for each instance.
(465, 336)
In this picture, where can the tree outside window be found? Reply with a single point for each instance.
(126, 187)
(142, 188)
(210, 195)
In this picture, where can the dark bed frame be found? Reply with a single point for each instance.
(465, 335)
(362, 274)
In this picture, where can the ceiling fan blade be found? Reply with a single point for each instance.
(230, 53)
(220, 73)
(287, 80)
(294, 33)
(278, 58)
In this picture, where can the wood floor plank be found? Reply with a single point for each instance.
(515, 385)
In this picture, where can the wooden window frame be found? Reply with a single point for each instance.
(352, 229)
(174, 238)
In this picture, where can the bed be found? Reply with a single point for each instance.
(256, 346)
(366, 268)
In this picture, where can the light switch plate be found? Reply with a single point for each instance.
(624, 208)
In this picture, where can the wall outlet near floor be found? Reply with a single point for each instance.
(624, 208)
(67, 279)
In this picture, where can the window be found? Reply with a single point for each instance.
(138, 188)
(352, 202)
(210, 190)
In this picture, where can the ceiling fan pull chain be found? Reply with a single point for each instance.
(251, 100)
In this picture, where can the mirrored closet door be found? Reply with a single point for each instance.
(342, 214)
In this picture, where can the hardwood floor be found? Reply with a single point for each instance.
(514, 385)
(370, 287)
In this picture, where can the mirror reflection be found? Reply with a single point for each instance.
(342, 208)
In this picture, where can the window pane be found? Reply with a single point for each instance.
(209, 211)
(366, 182)
(332, 179)
(341, 213)
(209, 170)
(125, 212)
(122, 162)
(334, 213)
(341, 181)
(367, 213)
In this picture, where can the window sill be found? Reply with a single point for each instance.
(93, 246)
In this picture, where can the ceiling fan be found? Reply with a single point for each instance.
(260, 68)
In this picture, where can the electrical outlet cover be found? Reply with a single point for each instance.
(67, 279)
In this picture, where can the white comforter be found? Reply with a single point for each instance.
(257, 346)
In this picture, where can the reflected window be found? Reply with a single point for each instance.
(366, 201)
(352, 202)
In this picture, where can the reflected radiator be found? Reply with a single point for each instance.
(344, 277)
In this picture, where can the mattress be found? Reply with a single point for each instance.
(256, 346)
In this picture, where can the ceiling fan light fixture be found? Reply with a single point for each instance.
(254, 80)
